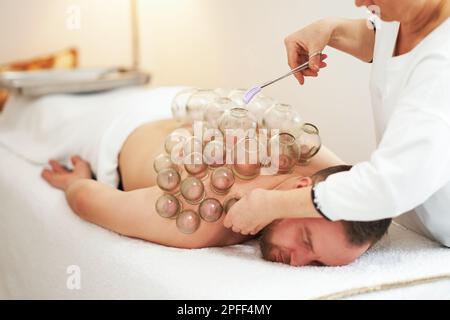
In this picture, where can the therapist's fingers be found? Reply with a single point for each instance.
(236, 229)
(300, 77)
(322, 63)
(308, 72)
(294, 51)
(244, 232)
(315, 59)
(314, 73)
(294, 55)
(227, 222)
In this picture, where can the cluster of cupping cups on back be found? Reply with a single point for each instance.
(221, 139)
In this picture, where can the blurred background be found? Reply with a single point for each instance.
(205, 43)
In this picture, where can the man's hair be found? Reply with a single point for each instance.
(358, 233)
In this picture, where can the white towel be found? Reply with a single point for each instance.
(40, 237)
(94, 126)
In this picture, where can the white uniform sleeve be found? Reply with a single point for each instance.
(412, 161)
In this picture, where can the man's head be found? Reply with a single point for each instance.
(301, 242)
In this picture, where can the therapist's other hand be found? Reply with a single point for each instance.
(252, 212)
(305, 43)
(60, 177)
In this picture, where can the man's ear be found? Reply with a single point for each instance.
(304, 182)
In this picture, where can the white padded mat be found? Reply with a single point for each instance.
(40, 238)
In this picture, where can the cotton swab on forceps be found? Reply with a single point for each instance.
(250, 94)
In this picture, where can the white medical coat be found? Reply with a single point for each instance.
(410, 169)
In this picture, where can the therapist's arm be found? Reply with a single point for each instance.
(412, 161)
(268, 205)
(409, 166)
(350, 36)
(260, 207)
(353, 37)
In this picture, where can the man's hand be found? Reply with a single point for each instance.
(253, 212)
(61, 178)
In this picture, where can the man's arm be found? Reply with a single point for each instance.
(129, 213)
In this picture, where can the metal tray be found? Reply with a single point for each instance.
(38, 83)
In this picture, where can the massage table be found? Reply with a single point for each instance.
(42, 242)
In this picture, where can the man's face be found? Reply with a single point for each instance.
(301, 242)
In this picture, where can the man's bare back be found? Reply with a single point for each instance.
(132, 213)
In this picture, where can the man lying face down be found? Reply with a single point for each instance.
(131, 211)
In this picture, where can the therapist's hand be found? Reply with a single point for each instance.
(306, 42)
(253, 212)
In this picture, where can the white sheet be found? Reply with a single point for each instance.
(94, 126)
(40, 238)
